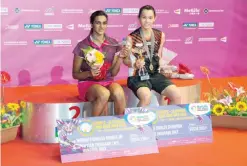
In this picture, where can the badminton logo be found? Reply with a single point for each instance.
(189, 40)
(177, 11)
(86, 128)
(223, 39)
(199, 108)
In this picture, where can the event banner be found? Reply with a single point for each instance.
(176, 124)
(103, 137)
(47, 33)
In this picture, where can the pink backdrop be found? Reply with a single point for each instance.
(39, 36)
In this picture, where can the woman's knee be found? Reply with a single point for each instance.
(173, 93)
(116, 92)
(98, 92)
(144, 95)
(103, 94)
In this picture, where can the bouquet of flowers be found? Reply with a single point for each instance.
(95, 59)
(227, 101)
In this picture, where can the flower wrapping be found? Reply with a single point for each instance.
(95, 59)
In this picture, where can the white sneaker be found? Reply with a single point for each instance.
(175, 75)
(186, 76)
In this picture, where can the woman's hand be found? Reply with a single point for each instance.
(166, 73)
(125, 52)
(95, 70)
(139, 63)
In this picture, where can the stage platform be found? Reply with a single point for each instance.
(227, 149)
(43, 107)
(232, 142)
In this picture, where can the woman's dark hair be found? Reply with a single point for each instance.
(95, 14)
(146, 7)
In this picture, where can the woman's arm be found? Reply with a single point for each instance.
(76, 73)
(160, 52)
(122, 57)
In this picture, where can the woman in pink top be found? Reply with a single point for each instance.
(100, 91)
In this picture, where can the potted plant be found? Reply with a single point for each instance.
(228, 105)
(11, 116)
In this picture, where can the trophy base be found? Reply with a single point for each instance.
(144, 77)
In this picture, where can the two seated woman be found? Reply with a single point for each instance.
(145, 43)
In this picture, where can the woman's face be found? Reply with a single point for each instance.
(147, 19)
(99, 25)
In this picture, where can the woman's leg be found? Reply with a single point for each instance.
(99, 97)
(141, 89)
(173, 93)
(144, 95)
(166, 88)
(118, 97)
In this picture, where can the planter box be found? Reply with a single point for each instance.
(226, 121)
(9, 134)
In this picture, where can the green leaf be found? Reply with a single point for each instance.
(244, 114)
(87, 50)
(233, 112)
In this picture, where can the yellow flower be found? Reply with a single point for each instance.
(13, 106)
(231, 107)
(23, 104)
(218, 109)
(2, 110)
(241, 106)
(99, 57)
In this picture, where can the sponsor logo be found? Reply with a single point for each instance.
(42, 42)
(162, 11)
(33, 27)
(206, 25)
(62, 42)
(18, 10)
(72, 11)
(130, 11)
(173, 40)
(206, 11)
(70, 26)
(207, 39)
(173, 25)
(132, 27)
(199, 108)
(157, 26)
(113, 11)
(4, 11)
(49, 11)
(192, 11)
(53, 27)
(15, 43)
(188, 40)
(84, 26)
(90, 11)
(177, 11)
(114, 26)
(12, 27)
(190, 25)
(223, 39)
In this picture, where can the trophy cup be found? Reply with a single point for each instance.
(143, 73)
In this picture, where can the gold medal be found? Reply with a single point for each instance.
(151, 67)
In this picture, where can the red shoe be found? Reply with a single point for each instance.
(184, 69)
